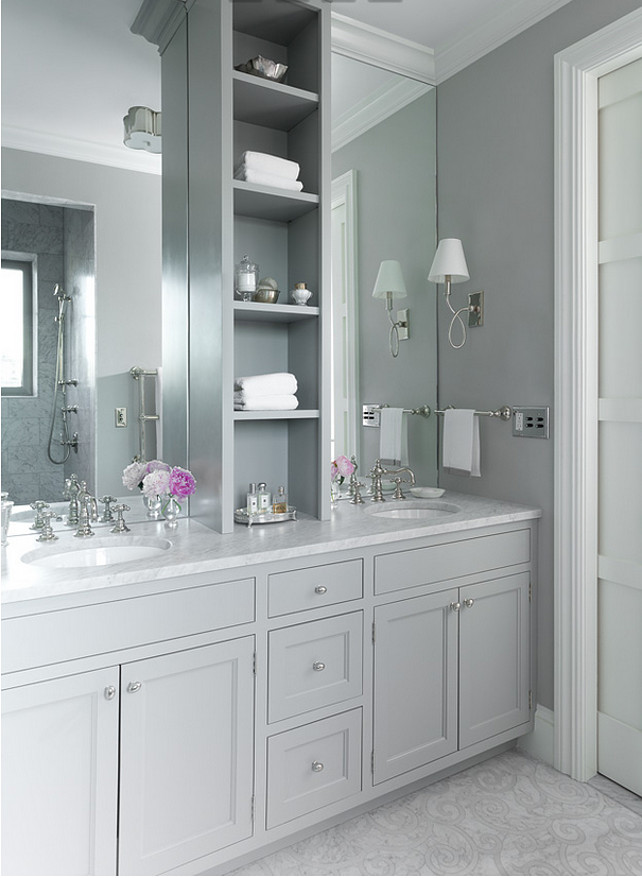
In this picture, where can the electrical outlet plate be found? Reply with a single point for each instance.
(476, 301)
(531, 422)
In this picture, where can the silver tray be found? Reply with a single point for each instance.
(241, 516)
(263, 67)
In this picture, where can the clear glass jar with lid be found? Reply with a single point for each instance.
(246, 277)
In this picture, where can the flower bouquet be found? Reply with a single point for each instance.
(162, 486)
(339, 470)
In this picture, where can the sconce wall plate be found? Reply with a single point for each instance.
(476, 309)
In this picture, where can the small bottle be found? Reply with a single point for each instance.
(252, 500)
(265, 498)
(280, 501)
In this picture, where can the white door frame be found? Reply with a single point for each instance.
(576, 385)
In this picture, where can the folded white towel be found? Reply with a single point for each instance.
(262, 178)
(461, 450)
(393, 436)
(278, 403)
(269, 164)
(272, 384)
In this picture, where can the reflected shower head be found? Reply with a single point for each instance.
(63, 298)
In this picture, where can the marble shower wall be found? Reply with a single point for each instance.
(39, 229)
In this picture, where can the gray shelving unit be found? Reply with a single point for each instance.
(212, 113)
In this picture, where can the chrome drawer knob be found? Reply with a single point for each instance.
(469, 602)
(110, 692)
(455, 606)
(317, 766)
(318, 666)
(320, 589)
(134, 687)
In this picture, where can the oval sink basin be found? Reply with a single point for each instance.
(102, 553)
(426, 510)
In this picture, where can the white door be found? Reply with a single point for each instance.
(186, 774)
(620, 428)
(60, 776)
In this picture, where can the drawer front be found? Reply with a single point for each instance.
(314, 665)
(313, 766)
(314, 587)
(32, 641)
(399, 570)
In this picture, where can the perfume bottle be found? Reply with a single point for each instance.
(252, 500)
(265, 498)
(246, 278)
(280, 501)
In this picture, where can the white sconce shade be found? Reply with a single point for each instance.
(142, 128)
(389, 281)
(450, 262)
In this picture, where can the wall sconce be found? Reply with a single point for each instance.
(449, 267)
(389, 286)
(142, 129)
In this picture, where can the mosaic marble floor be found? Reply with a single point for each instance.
(511, 815)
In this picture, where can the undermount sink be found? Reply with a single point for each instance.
(414, 510)
(101, 553)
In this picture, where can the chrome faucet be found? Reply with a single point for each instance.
(88, 509)
(376, 474)
(72, 489)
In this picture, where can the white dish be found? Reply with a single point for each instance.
(427, 493)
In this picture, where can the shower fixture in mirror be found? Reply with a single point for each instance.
(383, 208)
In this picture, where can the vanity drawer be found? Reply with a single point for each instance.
(47, 638)
(314, 664)
(313, 766)
(313, 587)
(399, 570)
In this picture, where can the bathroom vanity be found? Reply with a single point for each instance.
(197, 708)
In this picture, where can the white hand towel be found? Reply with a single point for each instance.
(270, 164)
(261, 178)
(461, 450)
(272, 384)
(281, 403)
(393, 437)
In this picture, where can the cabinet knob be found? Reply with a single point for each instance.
(320, 589)
(455, 606)
(317, 766)
(110, 692)
(469, 602)
(318, 666)
(134, 687)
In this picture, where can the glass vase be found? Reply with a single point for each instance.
(171, 511)
(153, 505)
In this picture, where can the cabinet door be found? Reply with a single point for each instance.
(415, 691)
(186, 755)
(494, 658)
(60, 776)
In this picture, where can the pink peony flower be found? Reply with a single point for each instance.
(181, 482)
(133, 474)
(156, 483)
(154, 465)
(344, 466)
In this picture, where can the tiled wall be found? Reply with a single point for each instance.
(27, 473)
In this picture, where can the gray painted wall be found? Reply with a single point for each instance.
(395, 163)
(495, 192)
(128, 282)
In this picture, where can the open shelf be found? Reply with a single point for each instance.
(263, 313)
(266, 202)
(268, 103)
(296, 415)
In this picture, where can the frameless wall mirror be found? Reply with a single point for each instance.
(383, 207)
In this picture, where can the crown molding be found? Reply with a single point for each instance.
(378, 47)
(518, 16)
(80, 150)
(374, 109)
(157, 21)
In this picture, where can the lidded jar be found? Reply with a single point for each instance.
(246, 277)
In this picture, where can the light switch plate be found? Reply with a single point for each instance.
(121, 416)
(531, 422)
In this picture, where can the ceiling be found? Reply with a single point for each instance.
(72, 68)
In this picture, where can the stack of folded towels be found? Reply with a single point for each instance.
(268, 170)
(264, 393)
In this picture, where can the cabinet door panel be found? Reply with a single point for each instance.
(186, 755)
(60, 776)
(494, 658)
(415, 694)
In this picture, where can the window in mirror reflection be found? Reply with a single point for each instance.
(16, 327)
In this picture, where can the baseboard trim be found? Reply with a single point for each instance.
(540, 743)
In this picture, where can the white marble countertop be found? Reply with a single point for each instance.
(197, 549)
